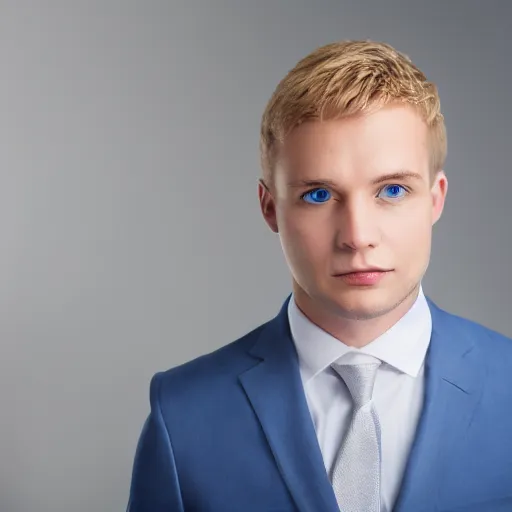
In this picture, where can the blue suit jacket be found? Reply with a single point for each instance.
(231, 430)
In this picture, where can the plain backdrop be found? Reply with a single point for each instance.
(131, 239)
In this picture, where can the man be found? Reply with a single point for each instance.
(361, 395)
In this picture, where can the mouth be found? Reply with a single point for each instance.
(370, 270)
(363, 277)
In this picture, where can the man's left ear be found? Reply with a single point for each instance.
(439, 190)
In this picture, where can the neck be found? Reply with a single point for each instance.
(351, 331)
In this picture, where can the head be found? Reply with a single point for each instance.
(353, 145)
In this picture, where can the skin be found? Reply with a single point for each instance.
(355, 215)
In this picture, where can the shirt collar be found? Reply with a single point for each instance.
(403, 346)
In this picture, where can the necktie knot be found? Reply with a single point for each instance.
(359, 379)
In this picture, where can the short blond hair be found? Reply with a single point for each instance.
(348, 78)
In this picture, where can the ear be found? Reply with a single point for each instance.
(438, 191)
(267, 205)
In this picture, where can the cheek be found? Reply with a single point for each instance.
(410, 235)
(304, 236)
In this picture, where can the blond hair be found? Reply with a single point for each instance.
(348, 78)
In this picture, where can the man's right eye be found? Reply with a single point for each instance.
(316, 196)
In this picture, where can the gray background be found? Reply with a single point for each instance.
(131, 239)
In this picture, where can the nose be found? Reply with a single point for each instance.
(358, 225)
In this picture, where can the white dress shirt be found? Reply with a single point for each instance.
(398, 391)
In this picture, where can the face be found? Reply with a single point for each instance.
(356, 194)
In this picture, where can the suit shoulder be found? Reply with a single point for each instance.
(495, 343)
(210, 371)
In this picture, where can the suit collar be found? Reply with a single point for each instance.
(453, 355)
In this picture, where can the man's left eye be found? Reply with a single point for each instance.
(392, 192)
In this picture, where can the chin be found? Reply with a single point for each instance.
(364, 303)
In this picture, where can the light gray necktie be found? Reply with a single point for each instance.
(356, 471)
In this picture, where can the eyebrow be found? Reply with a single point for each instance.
(400, 175)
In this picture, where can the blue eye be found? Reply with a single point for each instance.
(319, 195)
(393, 192)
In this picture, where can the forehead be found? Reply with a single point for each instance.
(357, 148)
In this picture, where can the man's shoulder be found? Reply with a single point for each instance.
(490, 341)
(210, 373)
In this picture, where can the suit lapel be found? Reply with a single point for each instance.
(275, 391)
(454, 377)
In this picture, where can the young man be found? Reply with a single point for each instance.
(361, 395)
